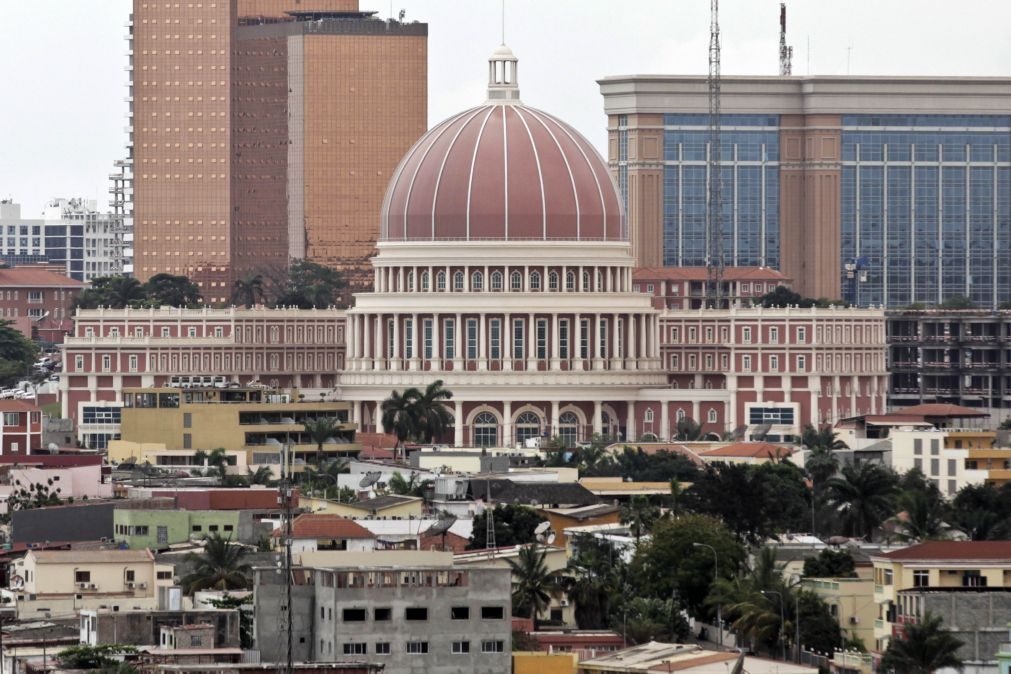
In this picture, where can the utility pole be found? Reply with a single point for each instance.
(714, 204)
(785, 52)
(286, 492)
(489, 521)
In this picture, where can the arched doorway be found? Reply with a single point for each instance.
(528, 425)
(568, 428)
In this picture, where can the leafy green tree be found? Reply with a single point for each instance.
(533, 584)
(594, 458)
(824, 436)
(922, 517)
(819, 630)
(172, 291)
(116, 292)
(688, 430)
(262, 475)
(17, 353)
(981, 513)
(231, 602)
(514, 525)
(863, 497)
(412, 486)
(925, 647)
(93, 657)
(748, 601)
(432, 417)
(821, 464)
(219, 567)
(319, 431)
(592, 581)
(669, 561)
(830, 564)
(957, 302)
(217, 459)
(32, 495)
(637, 465)
(307, 284)
(399, 417)
(248, 292)
(1006, 424)
(640, 514)
(645, 619)
(324, 478)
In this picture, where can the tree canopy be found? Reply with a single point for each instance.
(17, 353)
(514, 525)
(118, 292)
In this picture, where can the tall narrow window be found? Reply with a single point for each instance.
(563, 338)
(449, 332)
(458, 281)
(410, 281)
(516, 281)
(389, 338)
(586, 281)
(440, 281)
(408, 338)
(570, 281)
(425, 280)
(619, 337)
(427, 328)
(602, 331)
(472, 338)
(535, 280)
(584, 338)
(542, 338)
(553, 281)
(496, 280)
(495, 338)
(518, 339)
(477, 281)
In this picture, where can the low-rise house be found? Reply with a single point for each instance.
(410, 611)
(749, 453)
(63, 582)
(851, 603)
(659, 657)
(140, 528)
(901, 576)
(592, 515)
(388, 506)
(21, 428)
(145, 628)
(313, 531)
(74, 476)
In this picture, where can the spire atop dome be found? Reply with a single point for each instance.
(503, 82)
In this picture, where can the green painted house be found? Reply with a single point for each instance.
(158, 529)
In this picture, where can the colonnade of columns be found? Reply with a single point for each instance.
(479, 278)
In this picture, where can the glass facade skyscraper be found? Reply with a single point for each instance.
(925, 208)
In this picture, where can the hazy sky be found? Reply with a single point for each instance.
(63, 83)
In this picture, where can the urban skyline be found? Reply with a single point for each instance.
(75, 152)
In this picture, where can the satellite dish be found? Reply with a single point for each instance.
(441, 527)
(370, 479)
(17, 583)
(542, 528)
(53, 448)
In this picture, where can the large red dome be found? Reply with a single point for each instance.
(502, 171)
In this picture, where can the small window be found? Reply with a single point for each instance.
(535, 280)
(197, 528)
(496, 280)
(383, 614)
(921, 578)
(570, 281)
(516, 281)
(355, 649)
(228, 527)
(417, 647)
(553, 281)
(458, 281)
(440, 281)
(460, 613)
(493, 647)
(461, 647)
(382, 648)
(424, 286)
(712, 416)
(477, 281)
(129, 575)
(82, 576)
(212, 527)
(354, 615)
(492, 613)
(416, 613)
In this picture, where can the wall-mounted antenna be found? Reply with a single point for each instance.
(785, 51)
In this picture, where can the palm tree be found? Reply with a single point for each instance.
(862, 495)
(218, 459)
(821, 464)
(590, 581)
(923, 518)
(262, 475)
(533, 584)
(399, 417)
(924, 648)
(326, 476)
(823, 436)
(412, 486)
(749, 601)
(249, 291)
(688, 430)
(219, 567)
(640, 515)
(319, 431)
(432, 416)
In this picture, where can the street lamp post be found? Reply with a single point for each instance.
(782, 620)
(716, 576)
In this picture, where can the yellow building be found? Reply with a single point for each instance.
(932, 565)
(539, 662)
(254, 420)
(58, 583)
(388, 507)
(851, 602)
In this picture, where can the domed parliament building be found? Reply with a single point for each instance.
(504, 269)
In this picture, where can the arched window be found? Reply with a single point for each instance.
(553, 281)
(440, 281)
(586, 281)
(516, 281)
(570, 281)
(496, 280)
(410, 281)
(477, 281)
(648, 416)
(485, 430)
(568, 428)
(535, 280)
(709, 383)
(607, 425)
(712, 416)
(458, 281)
(600, 282)
(528, 425)
(425, 281)
(680, 415)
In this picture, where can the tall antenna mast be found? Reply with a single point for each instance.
(286, 490)
(714, 216)
(489, 521)
(785, 52)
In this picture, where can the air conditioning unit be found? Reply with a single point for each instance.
(854, 620)
(130, 585)
(142, 586)
(82, 586)
(92, 586)
(563, 603)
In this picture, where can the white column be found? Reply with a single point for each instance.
(664, 421)
(854, 390)
(597, 420)
(553, 338)
(595, 334)
(507, 339)
(643, 319)
(367, 340)
(815, 409)
(378, 348)
(531, 343)
(415, 342)
(482, 342)
(631, 349)
(554, 418)
(395, 362)
(507, 423)
(615, 355)
(576, 341)
(630, 421)
(696, 412)
(457, 423)
(356, 413)
(377, 417)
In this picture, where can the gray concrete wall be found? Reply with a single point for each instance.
(979, 619)
(144, 628)
(268, 635)
(82, 521)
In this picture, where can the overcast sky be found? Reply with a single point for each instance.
(62, 86)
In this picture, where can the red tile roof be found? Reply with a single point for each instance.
(941, 410)
(758, 450)
(20, 277)
(699, 274)
(17, 406)
(954, 550)
(327, 526)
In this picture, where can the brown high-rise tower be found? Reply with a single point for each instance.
(265, 130)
